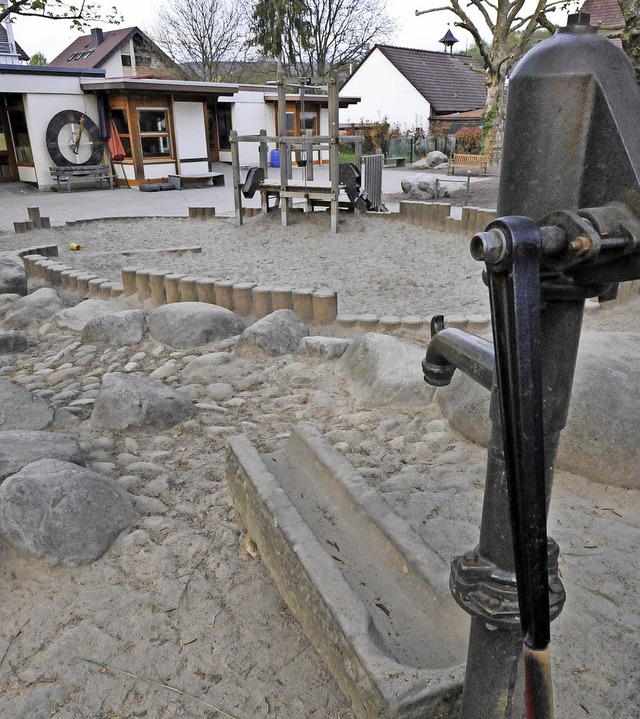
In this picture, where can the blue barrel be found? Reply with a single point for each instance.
(275, 158)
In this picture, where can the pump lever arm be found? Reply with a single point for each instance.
(514, 290)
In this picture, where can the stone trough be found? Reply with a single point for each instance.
(370, 594)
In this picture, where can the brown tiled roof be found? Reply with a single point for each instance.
(96, 57)
(604, 12)
(446, 81)
(113, 39)
(468, 115)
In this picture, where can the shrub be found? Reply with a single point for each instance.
(469, 139)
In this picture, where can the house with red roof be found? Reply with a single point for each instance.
(411, 87)
(125, 52)
(604, 14)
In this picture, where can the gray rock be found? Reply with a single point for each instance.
(117, 329)
(600, 441)
(220, 390)
(128, 401)
(419, 186)
(13, 278)
(279, 333)
(327, 347)
(436, 158)
(62, 513)
(6, 301)
(75, 318)
(19, 409)
(206, 368)
(21, 447)
(193, 324)
(382, 370)
(38, 306)
(11, 341)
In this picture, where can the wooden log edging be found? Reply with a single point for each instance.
(317, 306)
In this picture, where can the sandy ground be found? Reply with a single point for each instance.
(178, 619)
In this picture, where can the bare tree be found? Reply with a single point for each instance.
(502, 18)
(206, 37)
(78, 14)
(324, 35)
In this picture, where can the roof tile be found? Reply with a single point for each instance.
(446, 81)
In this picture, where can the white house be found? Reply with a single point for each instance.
(125, 52)
(407, 87)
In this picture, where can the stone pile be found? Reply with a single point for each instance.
(99, 370)
(110, 370)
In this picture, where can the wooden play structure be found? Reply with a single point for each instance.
(304, 147)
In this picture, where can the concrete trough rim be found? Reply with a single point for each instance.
(394, 689)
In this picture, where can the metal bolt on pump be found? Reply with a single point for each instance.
(567, 230)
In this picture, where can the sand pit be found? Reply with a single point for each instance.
(180, 619)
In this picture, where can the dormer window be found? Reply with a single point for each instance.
(126, 60)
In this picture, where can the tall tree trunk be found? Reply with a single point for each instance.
(492, 114)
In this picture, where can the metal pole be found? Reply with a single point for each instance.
(284, 149)
(334, 150)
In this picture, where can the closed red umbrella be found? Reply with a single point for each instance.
(114, 143)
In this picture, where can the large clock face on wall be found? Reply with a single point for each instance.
(73, 138)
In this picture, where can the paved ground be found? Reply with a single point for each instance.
(89, 204)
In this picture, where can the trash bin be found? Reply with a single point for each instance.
(275, 158)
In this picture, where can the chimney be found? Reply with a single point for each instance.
(97, 36)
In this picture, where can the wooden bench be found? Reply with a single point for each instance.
(395, 161)
(466, 161)
(64, 173)
(203, 179)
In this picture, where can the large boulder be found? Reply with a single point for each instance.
(206, 368)
(19, 409)
(125, 400)
(184, 325)
(75, 318)
(279, 333)
(382, 370)
(600, 441)
(435, 158)
(117, 328)
(34, 308)
(13, 278)
(419, 186)
(21, 447)
(62, 513)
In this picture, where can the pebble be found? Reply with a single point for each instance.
(137, 538)
(156, 487)
(146, 469)
(128, 481)
(235, 402)
(106, 468)
(125, 459)
(148, 505)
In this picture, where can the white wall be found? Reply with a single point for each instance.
(190, 137)
(385, 92)
(249, 114)
(113, 65)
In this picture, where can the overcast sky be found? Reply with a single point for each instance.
(52, 37)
